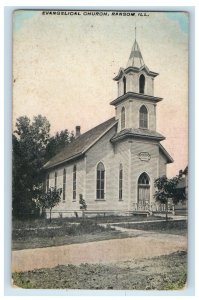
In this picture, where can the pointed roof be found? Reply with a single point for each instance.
(135, 58)
(135, 63)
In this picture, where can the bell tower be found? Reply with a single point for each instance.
(136, 142)
(136, 104)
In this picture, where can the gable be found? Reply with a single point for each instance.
(81, 144)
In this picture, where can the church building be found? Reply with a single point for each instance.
(114, 165)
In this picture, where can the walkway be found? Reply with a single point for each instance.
(138, 232)
(145, 245)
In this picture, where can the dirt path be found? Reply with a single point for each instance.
(117, 250)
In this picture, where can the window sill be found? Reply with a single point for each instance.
(120, 200)
(143, 127)
(100, 200)
(74, 201)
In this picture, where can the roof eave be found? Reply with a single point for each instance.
(164, 151)
(111, 126)
(78, 155)
(137, 70)
(130, 134)
(118, 76)
(154, 74)
(136, 95)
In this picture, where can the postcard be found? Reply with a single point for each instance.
(100, 150)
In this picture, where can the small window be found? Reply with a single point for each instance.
(143, 117)
(120, 181)
(124, 84)
(123, 118)
(141, 84)
(55, 180)
(64, 185)
(100, 181)
(74, 181)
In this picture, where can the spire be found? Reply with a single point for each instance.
(135, 59)
(135, 31)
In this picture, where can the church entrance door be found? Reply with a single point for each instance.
(143, 192)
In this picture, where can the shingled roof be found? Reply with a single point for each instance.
(81, 144)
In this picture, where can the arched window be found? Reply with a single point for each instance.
(120, 181)
(47, 183)
(143, 179)
(143, 117)
(74, 181)
(55, 180)
(141, 84)
(100, 181)
(143, 191)
(64, 184)
(123, 118)
(124, 84)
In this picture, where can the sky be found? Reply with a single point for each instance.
(63, 66)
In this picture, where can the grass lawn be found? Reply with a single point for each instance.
(42, 242)
(178, 227)
(167, 272)
(41, 233)
(42, 222)
(60, 234)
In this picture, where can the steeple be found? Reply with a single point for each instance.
(135, 59)
(136, 103)
(136, 77)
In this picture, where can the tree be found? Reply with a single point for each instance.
(83, 205)
(32, 148)
(49, 199)
(166, 189)
(29, 148)
(58, 142)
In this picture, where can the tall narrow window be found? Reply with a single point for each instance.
(123, 118)
(141, 84)
(47, 183)
(100, 181)
(74, 181)
(124, 84)
(55, 180)
(64, 185)
(143, 117)
(120, 181)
